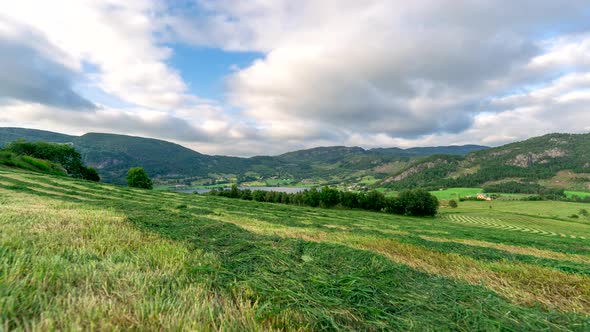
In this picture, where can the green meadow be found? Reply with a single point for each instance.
(78, 255)
(456, 193)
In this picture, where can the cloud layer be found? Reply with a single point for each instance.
(371, 73)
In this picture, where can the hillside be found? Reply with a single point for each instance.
(8, 135)
(78, 255)
(547, 159)
(112, 155)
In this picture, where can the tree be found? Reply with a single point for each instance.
(234, 192)
(259, 195)
(311, 197)
(349, 199)
(329, 197)
(63, 154)
(89, 173)
(138, 178)
(418, 202)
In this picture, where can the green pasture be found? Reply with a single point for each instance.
(76, 255)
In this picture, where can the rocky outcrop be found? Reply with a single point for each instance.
(529, 159)
(416, 169)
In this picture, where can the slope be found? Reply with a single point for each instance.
(79, 255)
(534, 160)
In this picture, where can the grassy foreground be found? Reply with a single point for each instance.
(80, 255)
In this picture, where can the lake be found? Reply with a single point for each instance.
(288, 190)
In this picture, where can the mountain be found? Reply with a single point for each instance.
(8, 135)
(428, 151)
(114, 154)
(559, 160)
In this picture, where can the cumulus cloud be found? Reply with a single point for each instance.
(117, 38)
(29, 73)
(371, 73)
(383, 69)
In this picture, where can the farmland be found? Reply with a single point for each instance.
(82, 255)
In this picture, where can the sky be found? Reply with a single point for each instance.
(263, 77)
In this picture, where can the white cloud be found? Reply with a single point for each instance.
(116, 37)
(380, 68)
(371, 73)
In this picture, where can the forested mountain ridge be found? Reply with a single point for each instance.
(112, 155)
(534, 160)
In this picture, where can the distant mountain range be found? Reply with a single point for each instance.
(114, 154)
(553, 160)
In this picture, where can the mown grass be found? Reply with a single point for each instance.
(89, 256)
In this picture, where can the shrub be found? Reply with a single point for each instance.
(329, 197)
(349, 200)
(418, 202)
(394, 205)
(311, 197)
(453, 204)
(584, 213)
(259, 195)
(246, 195)
(138, 178)
(90, 173)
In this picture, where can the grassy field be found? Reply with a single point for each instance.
(76, 255)
(456, 193)
(581, 194)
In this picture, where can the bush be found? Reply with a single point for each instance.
(349, 199)
(418, 202)
(138, 178)
(584, 213)
(89, 173)
(453, 204)
(311, 197)
(574, 216)
(259, 195)
(394, 205)
(329, 197)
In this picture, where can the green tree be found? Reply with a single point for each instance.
(329, 197)
(138, 178)
(349, 199)
(311, 197)
(89, 173)
(259, 195)
(418, 202)
(62, 154)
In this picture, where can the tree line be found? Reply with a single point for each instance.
(416, 202)
(514, 187)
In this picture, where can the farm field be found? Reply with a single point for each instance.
(456, 193)
(581, 194)
(76, 255)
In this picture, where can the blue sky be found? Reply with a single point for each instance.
(265, 77)
(205, 69)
